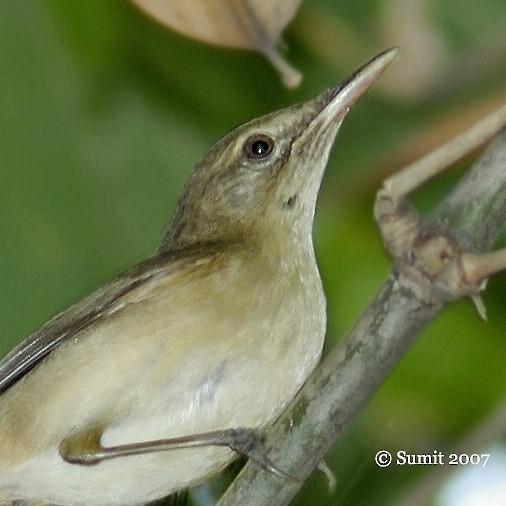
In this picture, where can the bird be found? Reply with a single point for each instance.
(154, 382)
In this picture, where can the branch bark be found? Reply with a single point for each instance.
(475, 214)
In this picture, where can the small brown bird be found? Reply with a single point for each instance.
(145, 387)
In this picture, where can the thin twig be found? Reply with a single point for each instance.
(406, 180)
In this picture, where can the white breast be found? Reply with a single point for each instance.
(200, 372)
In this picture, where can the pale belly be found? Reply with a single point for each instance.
(243, 374)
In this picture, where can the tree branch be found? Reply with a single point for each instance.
(474, 213)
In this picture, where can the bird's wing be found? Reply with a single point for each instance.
(131, 287)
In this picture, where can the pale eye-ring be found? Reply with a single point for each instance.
(258, 147)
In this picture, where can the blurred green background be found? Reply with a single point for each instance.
(103, 112)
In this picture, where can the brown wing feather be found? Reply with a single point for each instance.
(88, 311)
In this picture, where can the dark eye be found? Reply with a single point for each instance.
(258, 147)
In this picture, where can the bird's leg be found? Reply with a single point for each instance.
(329, 475)
(85, 448)
(433, 263)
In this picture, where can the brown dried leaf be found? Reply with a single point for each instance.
(245, 24)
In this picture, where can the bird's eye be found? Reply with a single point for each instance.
(258, 147)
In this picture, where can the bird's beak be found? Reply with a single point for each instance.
(333, 104)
